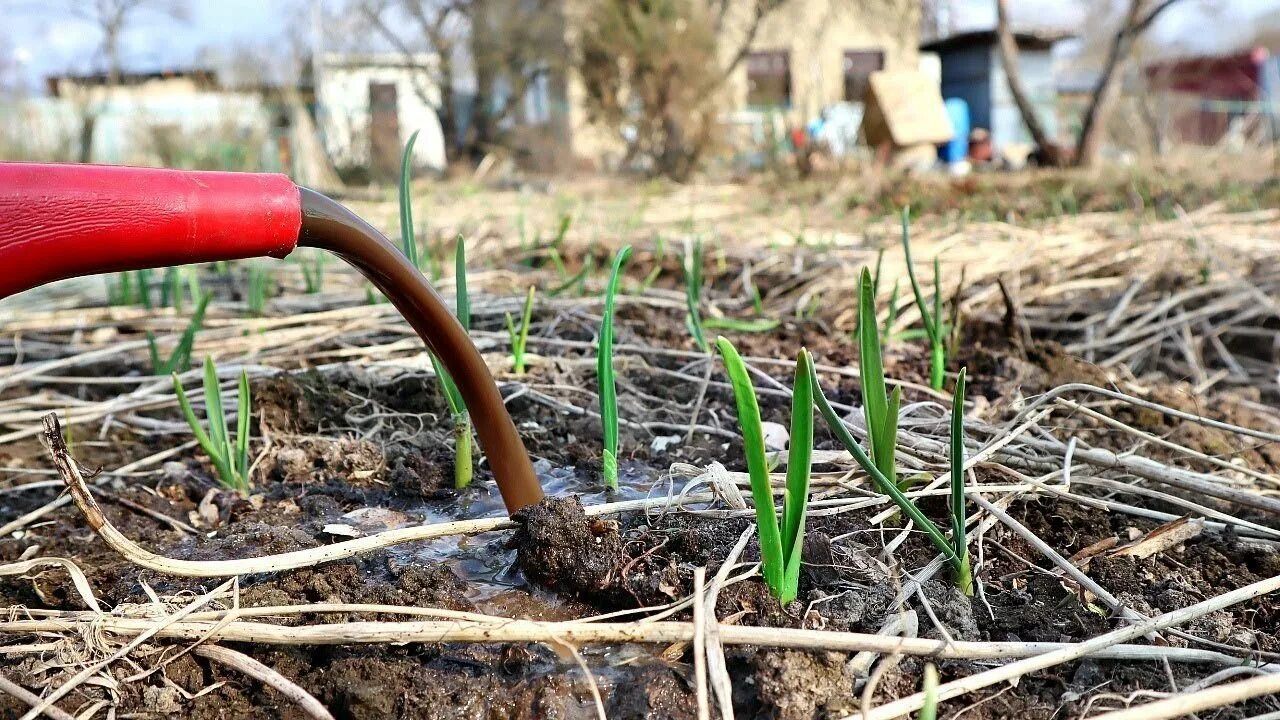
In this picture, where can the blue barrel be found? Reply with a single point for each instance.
(958, 148)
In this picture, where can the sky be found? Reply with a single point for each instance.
(46, 41)
(42, 40)
(1189, 28)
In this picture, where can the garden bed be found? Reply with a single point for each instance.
(352, 438)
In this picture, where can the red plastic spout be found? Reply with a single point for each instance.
(61, 221)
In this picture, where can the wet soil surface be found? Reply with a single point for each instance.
(372, 451)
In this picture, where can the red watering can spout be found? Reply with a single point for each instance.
(62, 221)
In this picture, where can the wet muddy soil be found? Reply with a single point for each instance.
(372, 451)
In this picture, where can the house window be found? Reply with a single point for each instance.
(858, 66)
(769, 78)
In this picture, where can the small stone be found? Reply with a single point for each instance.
(174, 472)
(776, 436)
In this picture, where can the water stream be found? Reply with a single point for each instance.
(484, 562)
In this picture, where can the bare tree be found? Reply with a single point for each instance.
(111, 18)
(504, 45)
(1138, 17)
(1049, 150)
(655, 68)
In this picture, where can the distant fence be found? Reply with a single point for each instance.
(1155, 122)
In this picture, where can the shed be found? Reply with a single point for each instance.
(369, 105)
(972, 71)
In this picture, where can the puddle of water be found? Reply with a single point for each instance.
(485, 563)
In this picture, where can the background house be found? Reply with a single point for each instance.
(369, 104)
(810, 54)
(805, 56)
(972, 71)
(150, 118)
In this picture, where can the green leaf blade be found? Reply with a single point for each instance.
(837, 427)
(927, 321)
(753, 325)
(406, 210)
(244, 413)
(957, 467)
(693, 295)
(929, 708)
(452, 396)
(799, 462)
(871, 369)
(608, 389)
(213, 406)
(460, 283)
(888, 451)
(772, 561)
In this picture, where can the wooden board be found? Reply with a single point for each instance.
(904, 107)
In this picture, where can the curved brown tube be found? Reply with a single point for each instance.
(330, 226)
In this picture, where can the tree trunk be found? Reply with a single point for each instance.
(1108, 85)
(1104, 92)
(87, 122)
(447, 111)
(1049, 150)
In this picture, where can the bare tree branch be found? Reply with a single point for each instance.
(1146, 22)
(1136, 20)
(1009, 59)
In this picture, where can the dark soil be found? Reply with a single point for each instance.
(348, 441)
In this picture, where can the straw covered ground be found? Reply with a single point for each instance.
(1123, 471)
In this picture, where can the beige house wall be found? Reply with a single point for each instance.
(815, 33)
(590, 143)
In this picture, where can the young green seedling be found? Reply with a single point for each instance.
(932, 321)
(180, 359)
(120, 289)
(879, 408)
(886, 330)
(959, 518)
(887, 327)
(462, 465)
(520, 336)
(954, 550)
(659, 253)
(953, 326)
(407, 235)
(750, 325)
(230, 458)
(256, 290)
(407, 239)
(781, 543)
(608, 387)
(693, 294)
(143, 281)
(566, 220)
(313, 273)
(757, 301)
(875, 289)
(193, 283)
(171, 289)
(553, 250)
(929, 711)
